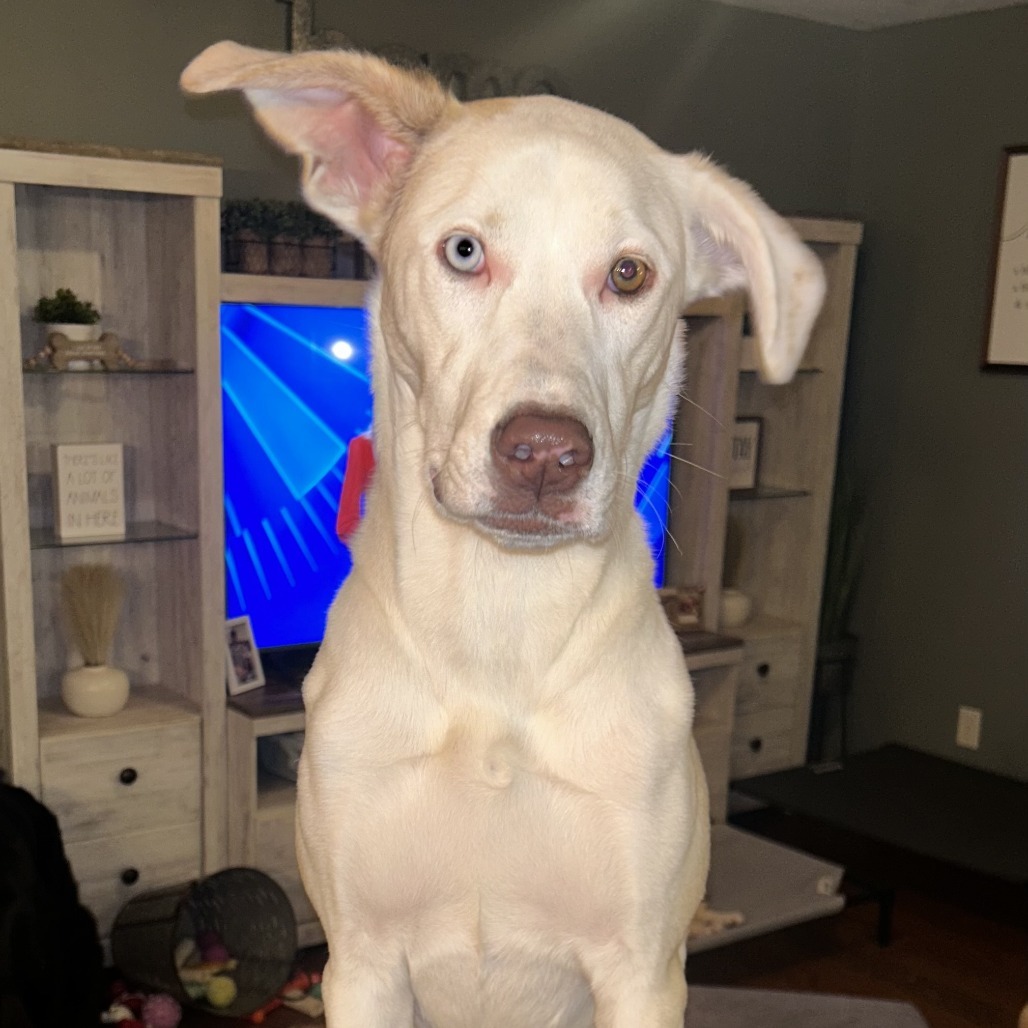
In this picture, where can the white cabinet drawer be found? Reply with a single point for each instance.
(768, 674)
(110, 871)
(125, 782)
(762, 742)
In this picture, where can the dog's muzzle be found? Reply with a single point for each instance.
(539, 459)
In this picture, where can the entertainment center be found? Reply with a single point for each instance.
(153, 796)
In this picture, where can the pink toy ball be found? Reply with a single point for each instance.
(161, 1011)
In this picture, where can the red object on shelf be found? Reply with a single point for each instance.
(360, 464)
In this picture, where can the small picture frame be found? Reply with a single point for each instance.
(683, 607)
(744, 468)
(242, 659)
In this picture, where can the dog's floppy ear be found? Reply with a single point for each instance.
(737, 242)
(356, 120)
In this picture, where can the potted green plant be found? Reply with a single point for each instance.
(65, 313)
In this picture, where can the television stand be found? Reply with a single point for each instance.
(288, 666)
(262, 807)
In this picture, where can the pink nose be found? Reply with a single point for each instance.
(539, 454)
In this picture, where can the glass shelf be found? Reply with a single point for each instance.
(53, 373)
(799, 371)
(135, 532)
(766, 492)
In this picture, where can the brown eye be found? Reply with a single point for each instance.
(628, 275)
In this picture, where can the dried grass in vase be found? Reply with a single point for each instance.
(92, 596)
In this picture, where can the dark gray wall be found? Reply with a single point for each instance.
(901, 128)
(942, 447)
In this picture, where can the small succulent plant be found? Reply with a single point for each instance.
(65, 308)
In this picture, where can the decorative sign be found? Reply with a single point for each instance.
(89, 491)
(1006, 344)
(745, 454)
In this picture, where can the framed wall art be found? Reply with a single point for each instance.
(745, 463)
(1006, 337)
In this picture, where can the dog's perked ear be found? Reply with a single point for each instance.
(355, 120)
(735, 241)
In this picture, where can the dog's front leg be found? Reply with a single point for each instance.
(627, 999)
(362, 996)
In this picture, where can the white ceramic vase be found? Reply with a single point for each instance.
(736, 608)
(95, 690)
(75, 333)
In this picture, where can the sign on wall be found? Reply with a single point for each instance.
(1006, 344)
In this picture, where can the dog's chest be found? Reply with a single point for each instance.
(493, 816)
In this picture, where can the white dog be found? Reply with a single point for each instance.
(502, 819)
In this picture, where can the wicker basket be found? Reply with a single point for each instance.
(249, 913)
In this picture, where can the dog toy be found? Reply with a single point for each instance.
(161, 1011)
(202, 963)
(212, 949)
(137, 1010)
(201, 974)
(221, 991)
(301, 993)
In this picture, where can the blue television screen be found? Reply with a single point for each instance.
(295, 390)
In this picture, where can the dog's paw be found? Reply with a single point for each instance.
(711, 922)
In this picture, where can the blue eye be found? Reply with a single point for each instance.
(464, 253)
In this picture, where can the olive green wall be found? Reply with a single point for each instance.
(691, 74)
(901, 128)
(941, 446)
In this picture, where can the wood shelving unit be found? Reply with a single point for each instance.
(140, 795)
(783, 523)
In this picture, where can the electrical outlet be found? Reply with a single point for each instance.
(969, 727)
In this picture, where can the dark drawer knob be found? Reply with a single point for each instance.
(763, 670)
(128, 775)
(756, 745)
(130, 876)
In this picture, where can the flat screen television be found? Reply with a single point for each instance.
(295, 390)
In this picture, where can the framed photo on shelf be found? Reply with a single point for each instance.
(683, 607)
(744, 467)
(242, 659)
(1006, 337)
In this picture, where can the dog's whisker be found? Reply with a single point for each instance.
(693, 464)
(668, 533)
(702, 410)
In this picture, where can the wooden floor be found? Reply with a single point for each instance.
(960, 968)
